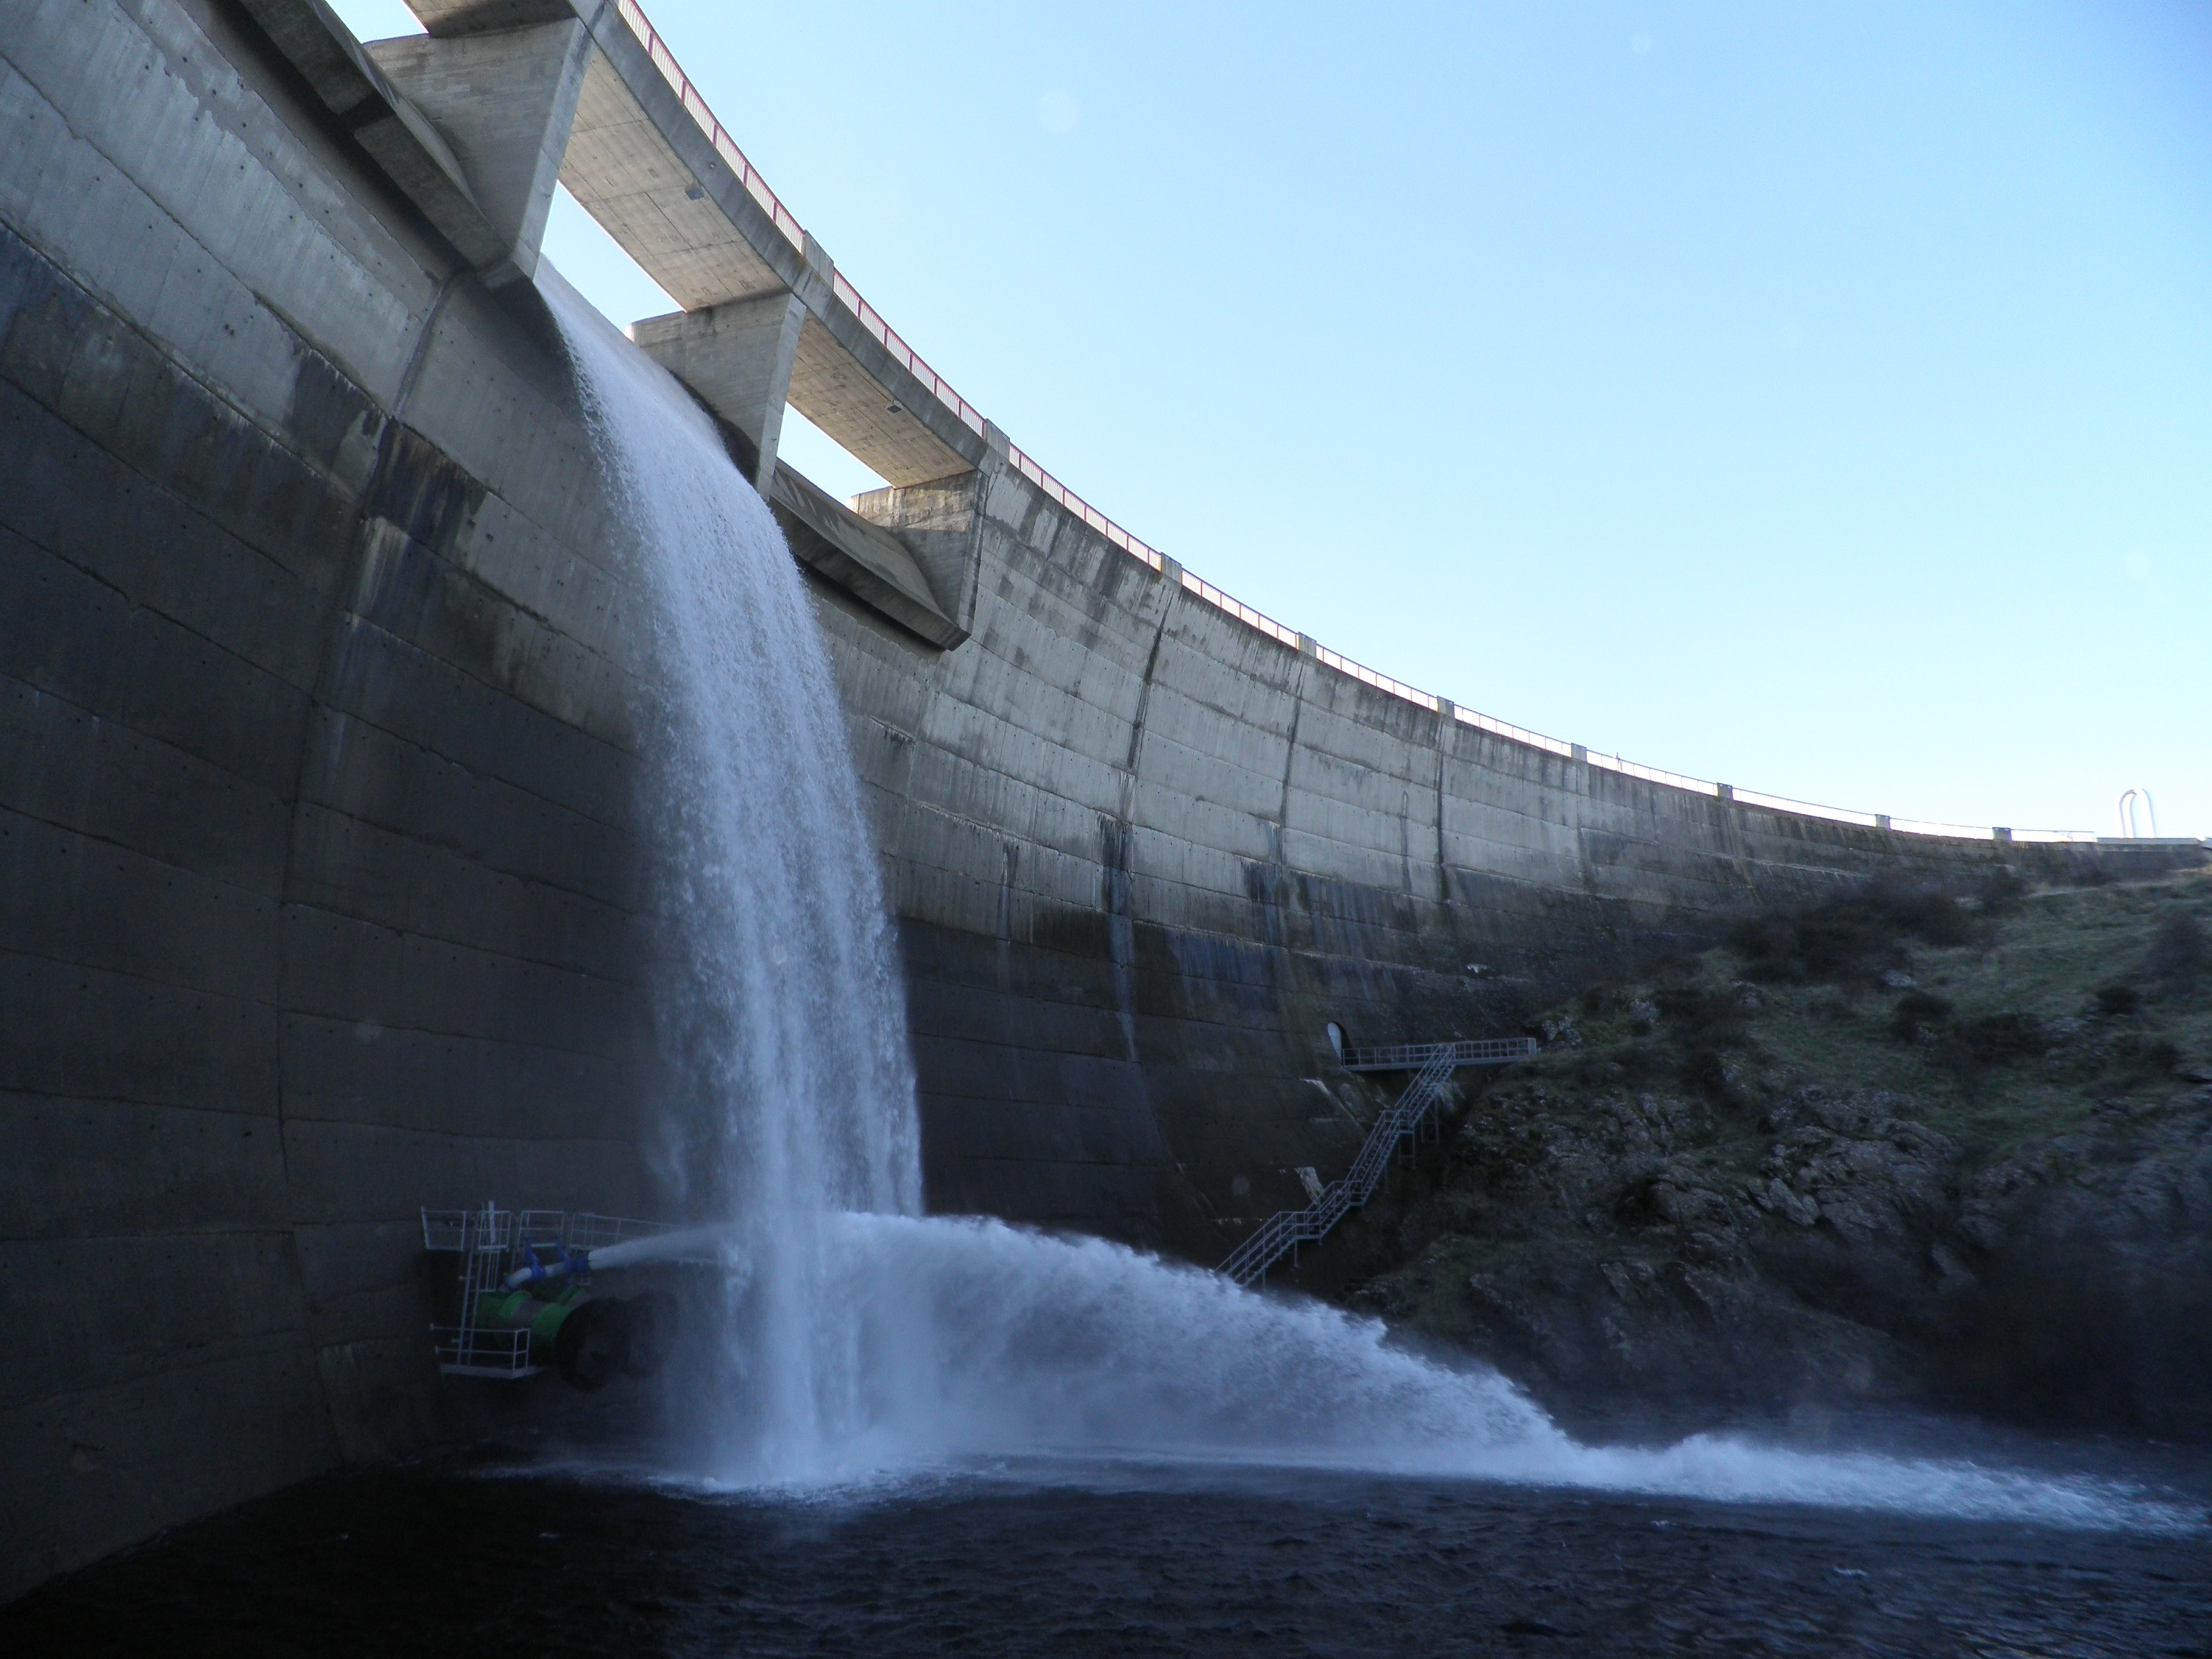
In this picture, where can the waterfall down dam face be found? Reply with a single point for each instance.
(329, 675)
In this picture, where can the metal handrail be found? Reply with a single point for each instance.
(1282, 1233)
(484, 1239)
(1412, 1056)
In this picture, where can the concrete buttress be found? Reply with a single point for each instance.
(504, 102)
(737, 356)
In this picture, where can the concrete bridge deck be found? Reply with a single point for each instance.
(650, 162)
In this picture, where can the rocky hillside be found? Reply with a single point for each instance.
(1903, 1147)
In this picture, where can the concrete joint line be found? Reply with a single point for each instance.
(109, 307)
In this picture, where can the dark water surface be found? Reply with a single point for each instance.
(1103, 1560)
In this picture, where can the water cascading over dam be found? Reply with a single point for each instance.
(351, 769)
(860, 1338)
(777, 1000)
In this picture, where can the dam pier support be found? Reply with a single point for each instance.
(737, 356)
(504, 101)
(322, 866)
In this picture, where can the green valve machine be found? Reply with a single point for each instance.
(527, 1299)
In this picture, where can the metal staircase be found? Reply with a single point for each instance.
(1432, 1064)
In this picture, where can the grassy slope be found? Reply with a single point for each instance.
(2044, 957)
(2049, 955)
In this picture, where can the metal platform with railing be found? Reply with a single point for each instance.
(490, 1242)
(1413, 1056)
(1432, 1064)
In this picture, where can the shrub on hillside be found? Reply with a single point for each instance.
(1700, 1018)
(2001, 890)
(1706, 1071)
(1919, 1011)
(1603, 1001)
(1849, 939)
(2179, 953)
(1967, 1047)
(1999, 1039)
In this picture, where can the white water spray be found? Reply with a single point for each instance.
(780, 1011)
(869, 1340)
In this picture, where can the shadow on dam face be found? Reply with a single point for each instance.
(322, 661)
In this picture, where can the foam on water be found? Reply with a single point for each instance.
(863, 1340)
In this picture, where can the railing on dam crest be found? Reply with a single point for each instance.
(872, 321)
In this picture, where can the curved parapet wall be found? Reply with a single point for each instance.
(319, 864)
(866, 398)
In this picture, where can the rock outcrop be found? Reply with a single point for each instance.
(1702, 1197)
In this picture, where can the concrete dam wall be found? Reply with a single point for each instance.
(320, 659)
(320, 883)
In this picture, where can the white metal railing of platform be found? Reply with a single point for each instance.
(1412, 1056)
(1282, 1233)
(872, 322)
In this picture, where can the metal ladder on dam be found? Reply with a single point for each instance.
(1431, 1064)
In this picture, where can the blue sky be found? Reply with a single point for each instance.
(1815, 398)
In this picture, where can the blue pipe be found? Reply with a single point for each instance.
(570, 1264)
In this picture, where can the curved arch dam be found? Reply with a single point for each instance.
(323, 890)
